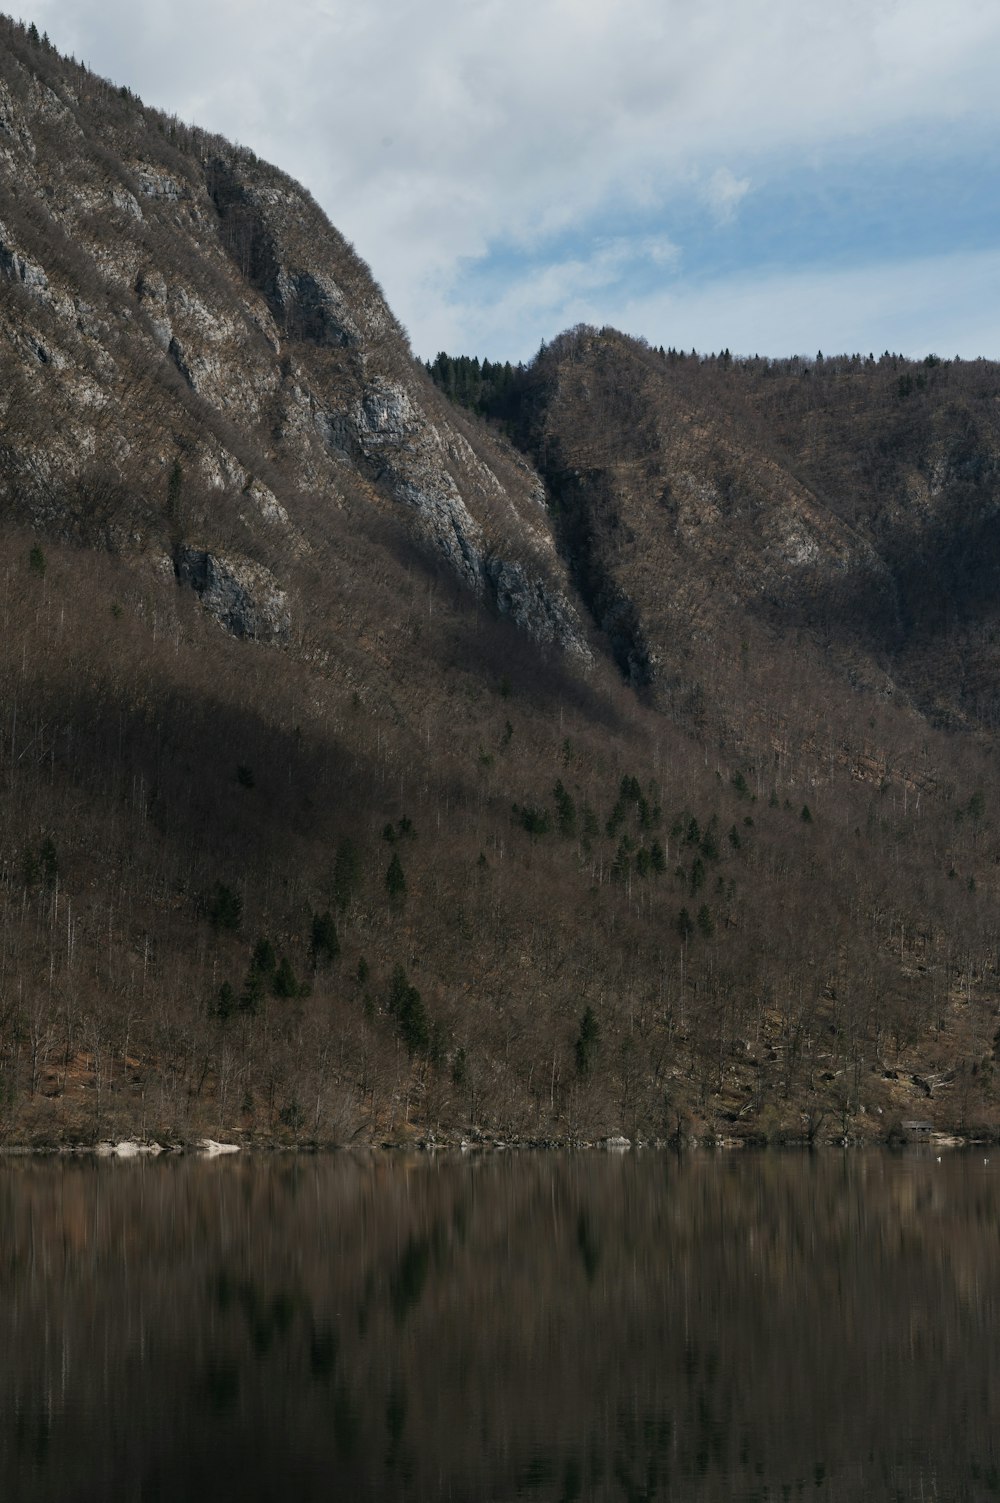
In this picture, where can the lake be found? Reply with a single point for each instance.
(535, 1326)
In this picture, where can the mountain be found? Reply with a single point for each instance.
(848, 506)
(204, 339)
(370, 769)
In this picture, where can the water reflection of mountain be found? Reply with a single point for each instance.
(538, 1327)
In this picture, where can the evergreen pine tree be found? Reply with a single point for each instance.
(325, 943)
(395, 880)
(285, 983)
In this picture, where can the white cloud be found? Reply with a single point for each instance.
(548, 297)
(433, 130)
(724, 192)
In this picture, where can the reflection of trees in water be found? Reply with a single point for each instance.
(550, 1327)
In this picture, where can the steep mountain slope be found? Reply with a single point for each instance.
(722, 512)
(218, 371)
(324, 812)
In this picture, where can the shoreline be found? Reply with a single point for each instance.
(127, 1149)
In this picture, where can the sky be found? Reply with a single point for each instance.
(767, 176)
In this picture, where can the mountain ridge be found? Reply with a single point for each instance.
(267, 343)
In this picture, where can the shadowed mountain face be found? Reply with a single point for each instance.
(712, 509)
(363, 773)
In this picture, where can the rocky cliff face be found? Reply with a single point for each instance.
(835, 521)
(196, 365)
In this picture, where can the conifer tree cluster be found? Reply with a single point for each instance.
(487, 388)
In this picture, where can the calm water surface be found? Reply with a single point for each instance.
(535, 1327)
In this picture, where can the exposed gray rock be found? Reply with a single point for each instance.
(19, 269)
(243, 596)
(176, 353)
(392, 432)
(539, 610)
(385, 416)
(156, 184)
(447, 522)
(335, 430)
(314, 308)
(127, 202)
(391, 435)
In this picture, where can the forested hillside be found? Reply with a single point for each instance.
(612, 755)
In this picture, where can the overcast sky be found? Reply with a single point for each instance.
(772, 176)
